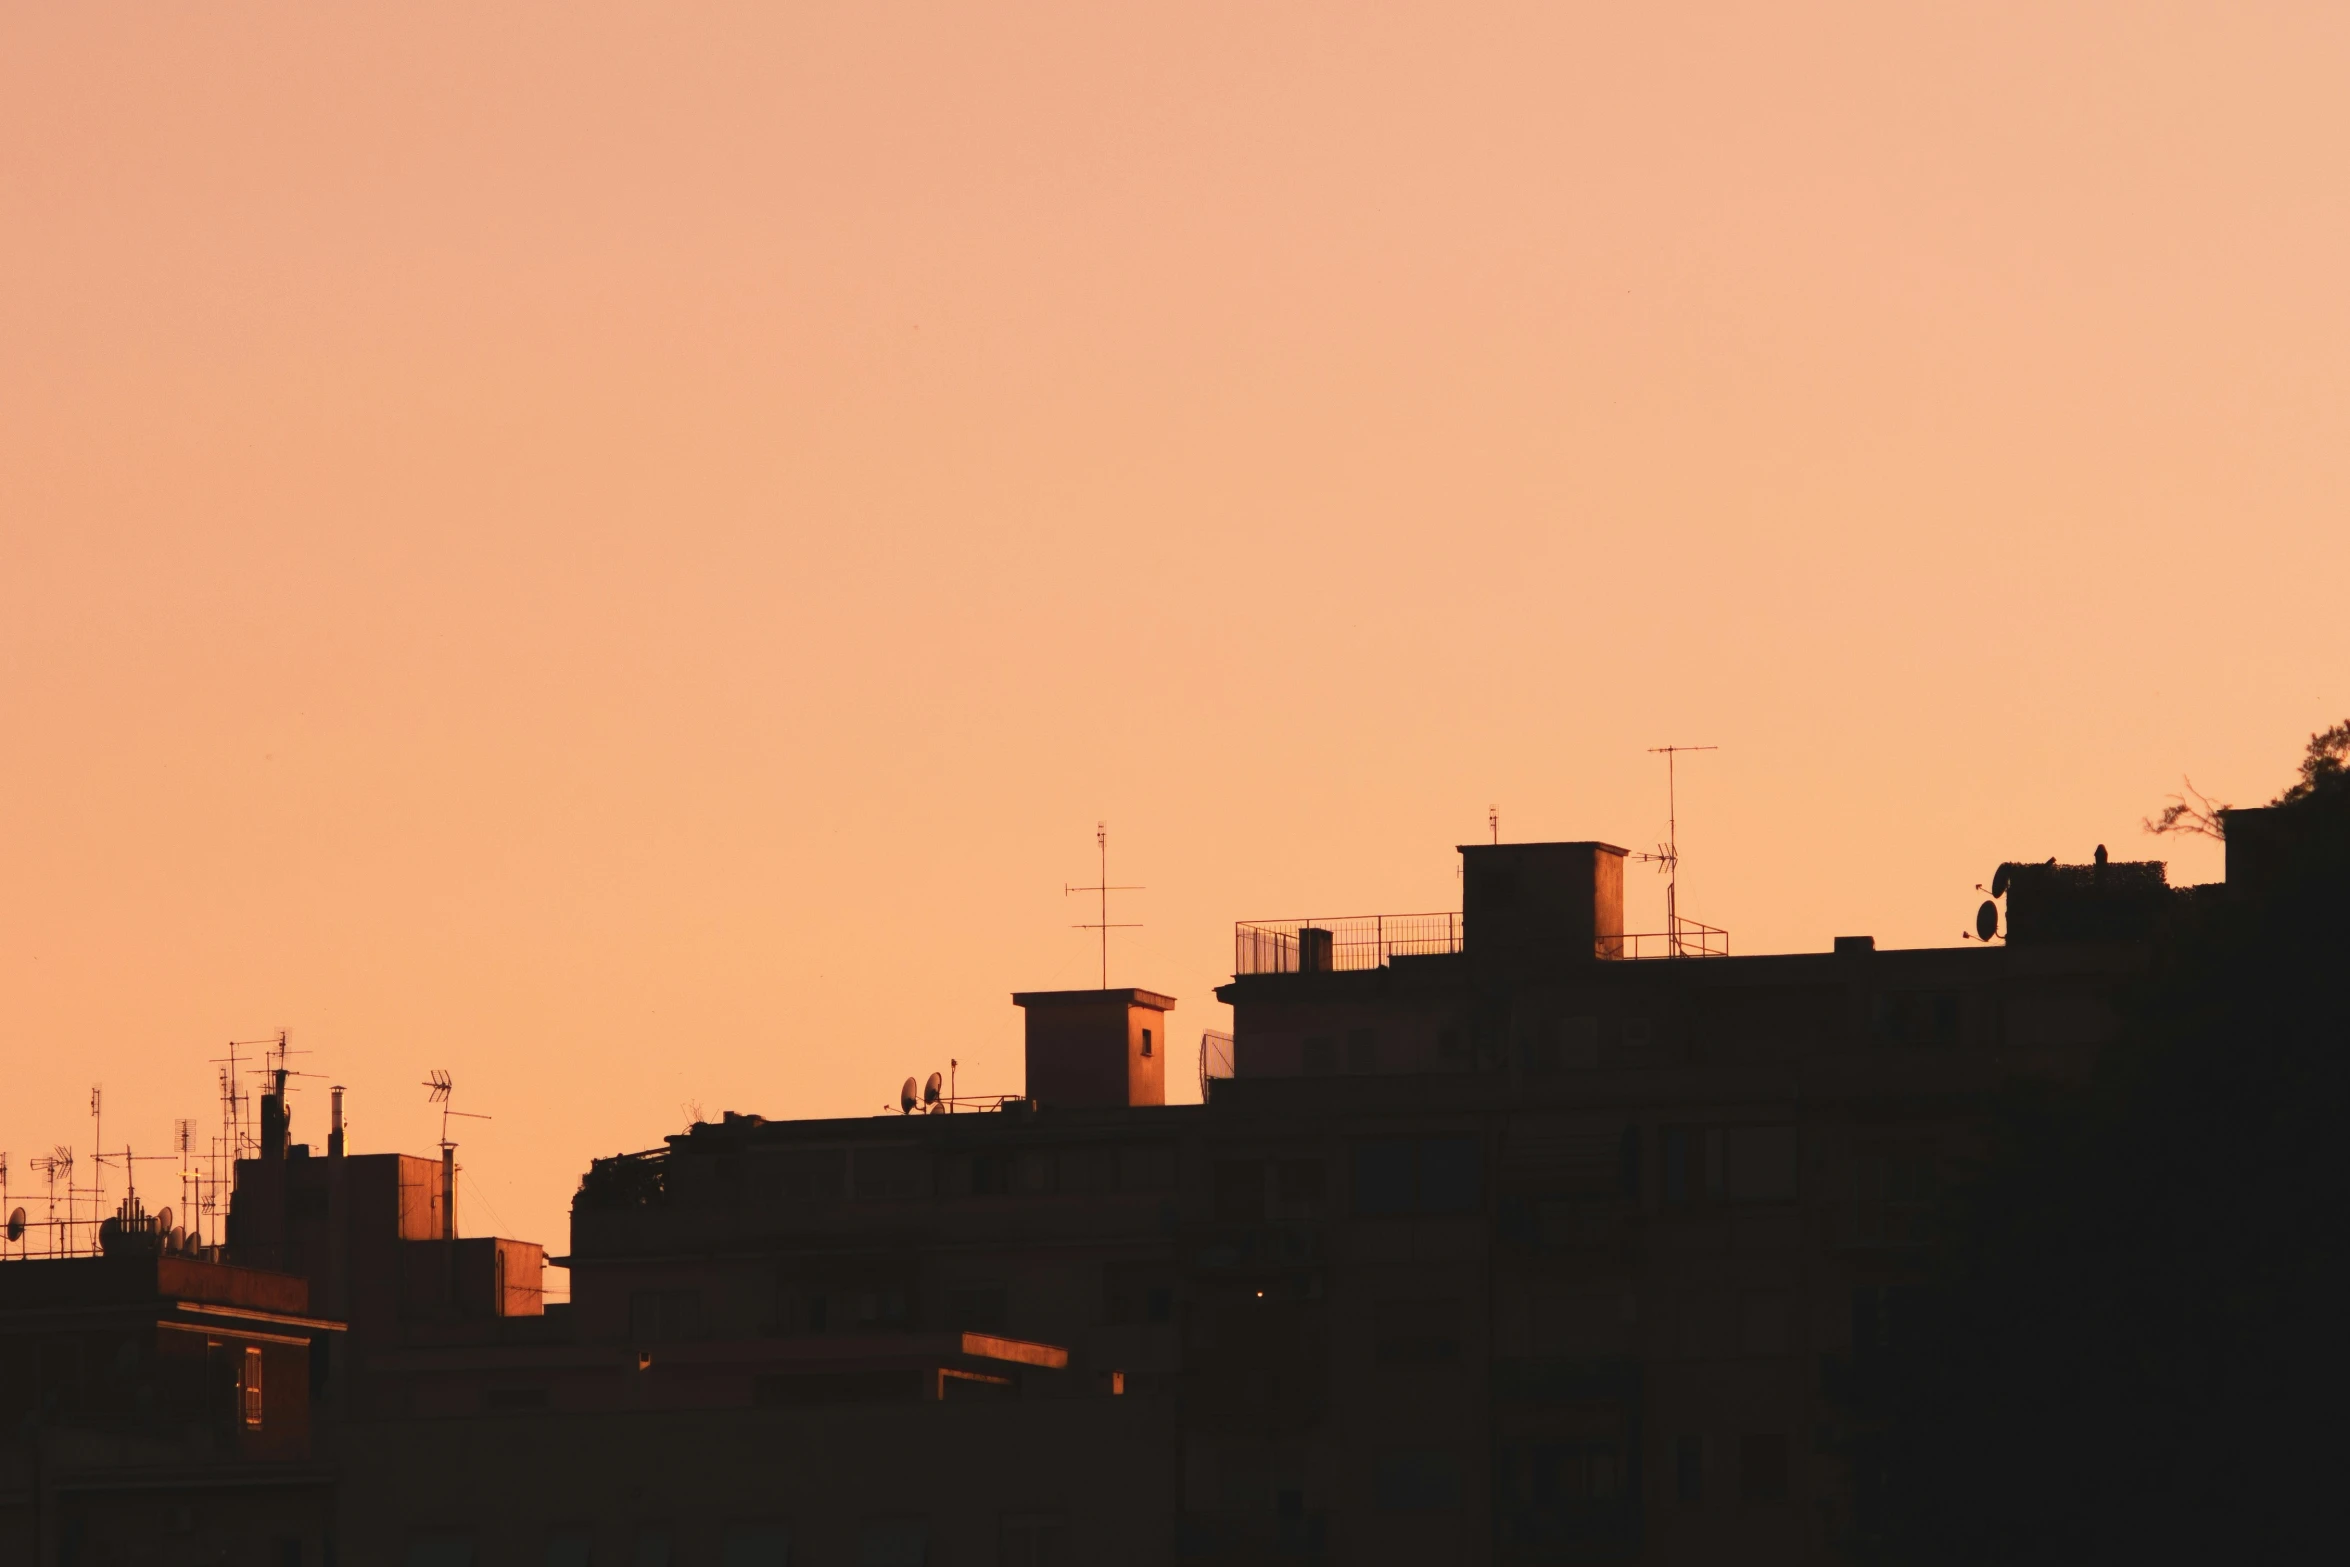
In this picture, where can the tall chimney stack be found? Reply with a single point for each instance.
(273, 1117)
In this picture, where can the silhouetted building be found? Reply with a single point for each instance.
(1513, 1236)
(158, 1407)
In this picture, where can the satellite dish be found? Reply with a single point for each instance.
(907, 1098)
(1999, 880)
(1987, 920)
(163, 1221)
(931, 1089)
(16, 1225)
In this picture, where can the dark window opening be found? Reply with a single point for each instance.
(1688, 1469)
(1146, 1041)
(1034, 1542)
(978, 1310)
(664, 1316)
(1416, 1332)
(1299, 1182)
(1431, 1175)
(991, 1174)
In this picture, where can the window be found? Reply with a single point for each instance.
(1706, 1164)
(991, 1174)
(886, 1173)
(1762, 1467)
(1034, 1542)
(1431, 1175)
(1416, 1482)
(250, 1384)
(1297, 1187)
(1385, 1180)
(1089, 1169)
(1917, 1017)
(977, 1310)
(1693, 1164)
(1893, 1194)
(811, 1175)
(1134, 1292)
(882, 1308)
(1689, 1470)
(1146, 1041)
(570, 1548)
(1416, 1332)
(1321, 1057)
(664, 1316)
(756, 1545)
(1148, 1167)
(1451, 1175)
(894, 1542)
(1362, 1051)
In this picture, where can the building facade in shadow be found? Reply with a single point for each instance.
(1504, 1235)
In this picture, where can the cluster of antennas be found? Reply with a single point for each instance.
(133, 1231)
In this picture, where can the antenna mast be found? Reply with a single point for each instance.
(444, 1089)
(1101, 838)
(1672, 851)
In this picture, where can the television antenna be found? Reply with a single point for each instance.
(1101, 838)
(443, 1093)
(1668, 855)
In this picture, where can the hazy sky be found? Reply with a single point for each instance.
(623, 551)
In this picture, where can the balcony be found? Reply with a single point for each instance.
(1371, 941)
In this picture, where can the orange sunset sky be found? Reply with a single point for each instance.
(622, 551)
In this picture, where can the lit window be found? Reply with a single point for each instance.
(252, 1385)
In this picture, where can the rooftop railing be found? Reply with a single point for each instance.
(1358, 941)
(1692, 939)
(1369, 941)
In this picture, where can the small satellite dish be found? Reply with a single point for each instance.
(1999, 880)
(908, 1098)
(178, 1240)
(163, 1221)
(1987, 920)
(930, 1090)
(16, 1225)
